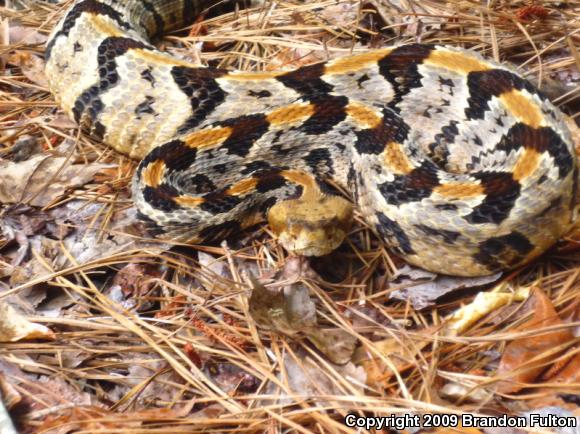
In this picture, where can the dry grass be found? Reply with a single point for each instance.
(173, 330)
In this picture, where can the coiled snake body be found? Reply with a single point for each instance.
(458, 162)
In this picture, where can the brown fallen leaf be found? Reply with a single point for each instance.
(44, 250)
(10, 395)
(14, 327)
(463, 389)
(423, 288)
(524, 359)
(340, 14)
(567, 371)
(31, 66)
(483, 304)
(41, 179)
(25, 35)
(93, 419)
(305, 376)
(390, 356)
(232, 379)
(291, 311)
(136, 280)
(61, 121)
(287, 313)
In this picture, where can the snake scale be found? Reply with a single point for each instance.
(457, 162)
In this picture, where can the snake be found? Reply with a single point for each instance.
(458, 163)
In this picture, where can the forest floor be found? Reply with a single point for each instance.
(106, 330)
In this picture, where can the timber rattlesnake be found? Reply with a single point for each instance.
(458, 162)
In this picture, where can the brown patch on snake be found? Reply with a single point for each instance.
(310, 188)
(397, 160)
(242, 187)
(522, 108)
(103, 26)
(152, 175)
(526, 164)
(208, 138)
(456, 62)
(252, 76)
(291, 114)
(459, 191)
(364, 116)
(504, 251)
(189, 201)
(356, 62)
(160, 58)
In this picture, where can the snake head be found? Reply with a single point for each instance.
(311, 226)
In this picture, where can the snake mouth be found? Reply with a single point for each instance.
(311, 227)
(305, 241)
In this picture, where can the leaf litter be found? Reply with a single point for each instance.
(135, 335)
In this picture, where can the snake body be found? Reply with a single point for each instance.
(457, 162)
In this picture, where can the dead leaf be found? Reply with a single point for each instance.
(31, 66)
(35, 253)
(570, 373)
(61, 121)
(291, 58)
(136, 280)
(148, 374)
(24, 148)
(289, 314)
(549, 397)
(217, 268)
(41, 179)
(291, 311)
(14, 327)
(394, 356)
(25, 35)
(483, 304)
(44, 250)
(305, 377)
(96, 419)
(342, 14)
(232, 378)
(10, 395)
(59, 391)
(336, 344)
(423, 288)
(465, 390)
(419, 24)
(524, 359)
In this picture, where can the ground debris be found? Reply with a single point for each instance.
(133, 334)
